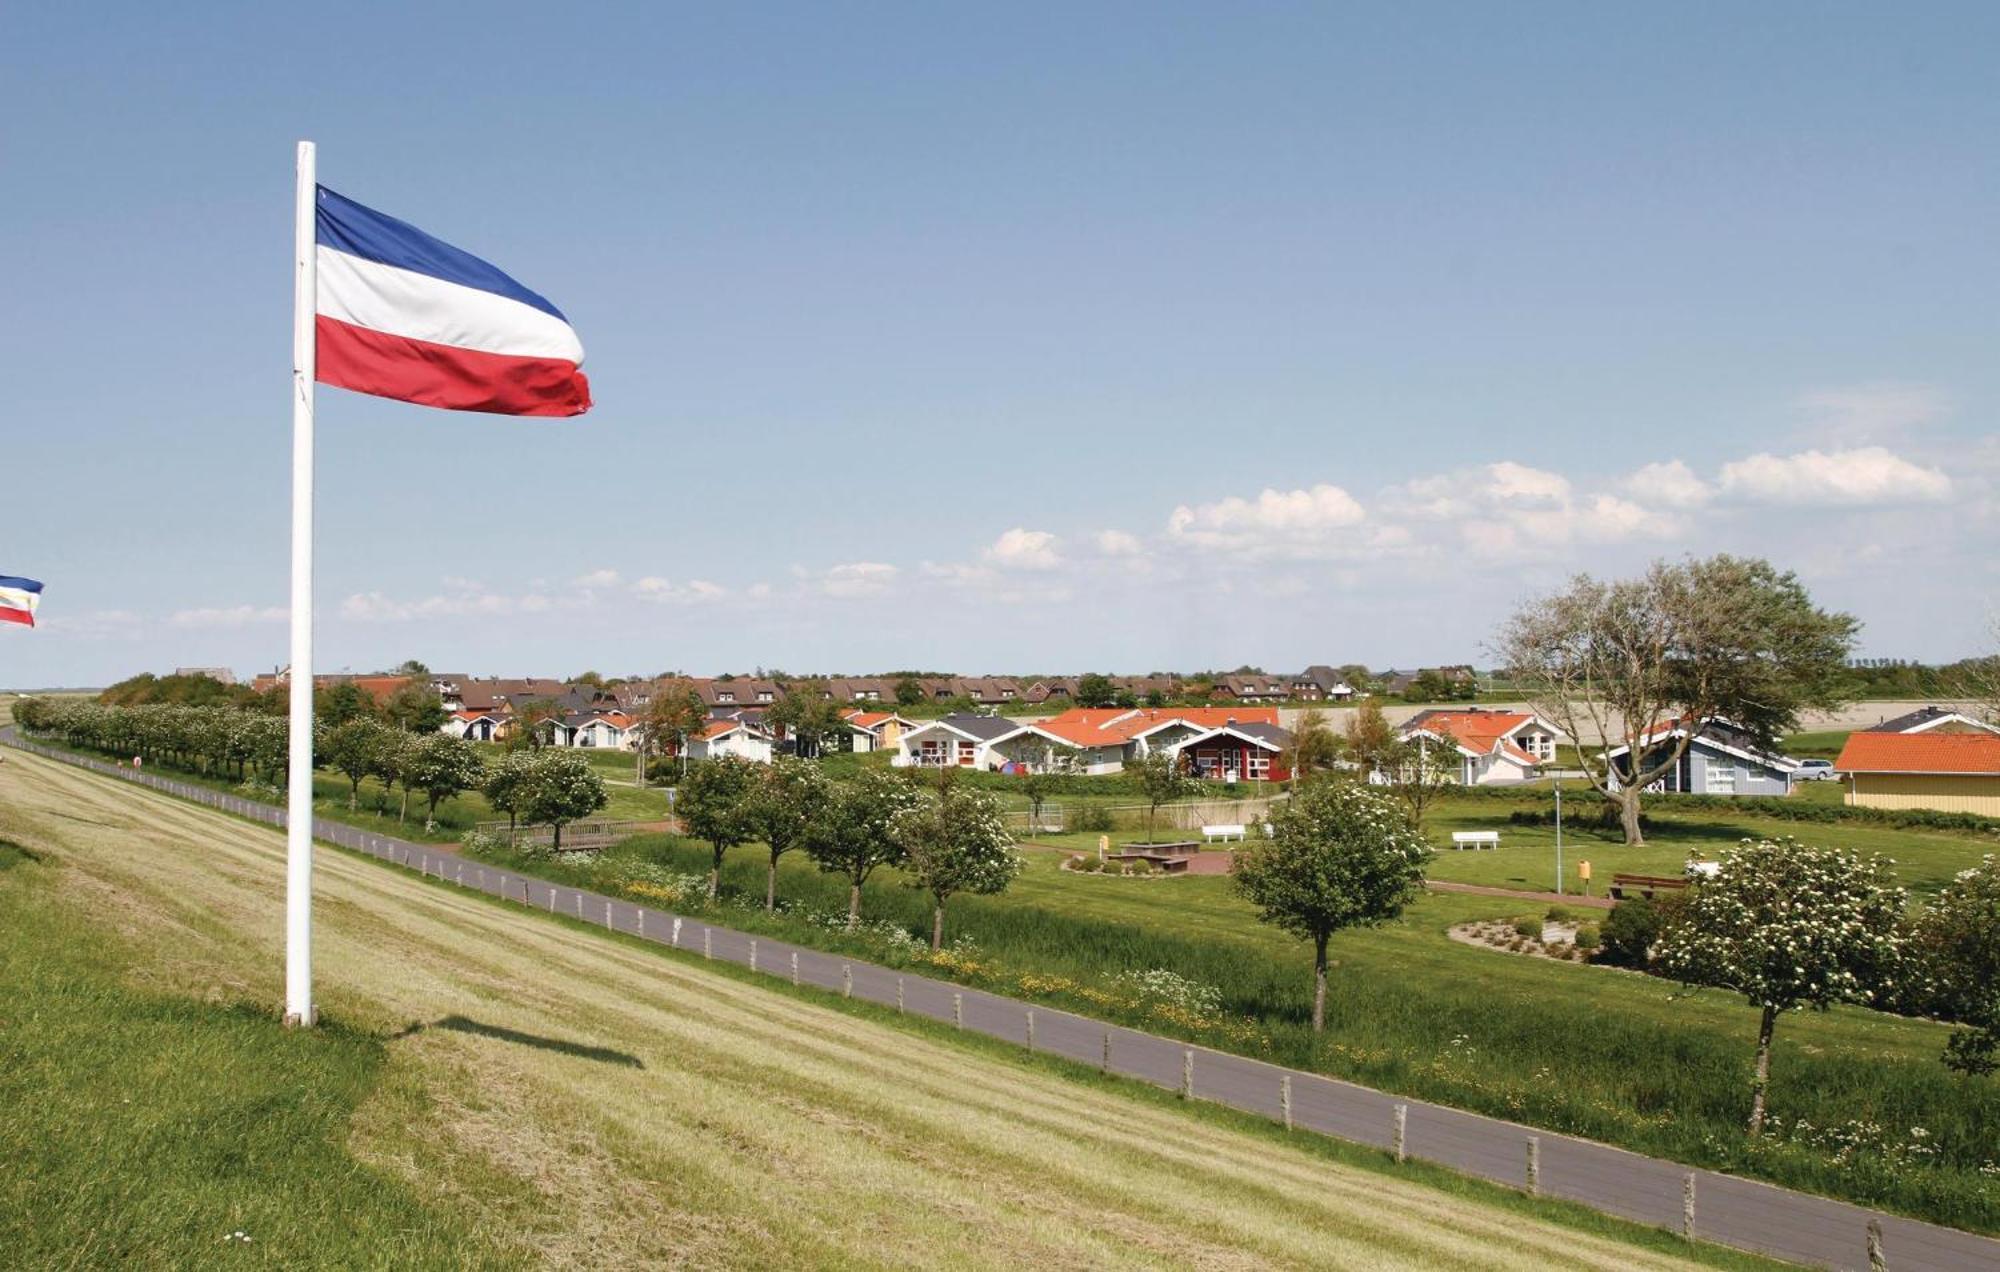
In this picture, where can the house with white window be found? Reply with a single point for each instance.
(1492, 748)
(964, 741)
(1721, 759)
(744, 739)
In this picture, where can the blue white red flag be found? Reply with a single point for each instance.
(407, 316)
(18, 599)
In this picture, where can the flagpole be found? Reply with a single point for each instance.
(298, 823)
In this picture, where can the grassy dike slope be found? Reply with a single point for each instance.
(545, 1094)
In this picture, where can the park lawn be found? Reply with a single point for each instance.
(1617, 1056)
(494, 1086)
(1925, 860)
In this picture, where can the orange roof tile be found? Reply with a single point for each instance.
(1971, 753)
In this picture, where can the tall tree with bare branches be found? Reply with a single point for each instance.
(1610, 663)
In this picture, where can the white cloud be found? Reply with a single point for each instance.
(858, 578)
(1276, 522)
(1868, 475)
(1860, 413)
(464, 599)
(666, 591)
(1117, 543)
(1020, 549)
(598, 578)
(229, 616)
(1522, 486)
(1672, 484)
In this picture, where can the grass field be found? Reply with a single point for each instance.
(496, 1088)
(1623, 1058)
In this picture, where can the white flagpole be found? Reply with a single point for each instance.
(298, 824)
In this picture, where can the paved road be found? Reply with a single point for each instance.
(1729, 1210)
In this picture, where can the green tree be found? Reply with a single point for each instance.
(808, 717)
(506, 783)
(1787, 926)
(1422, 769)
(558, 787)
(416, 708)
(351, 749)
(1340, 856)
(1095, 690)
(956, 843)
(1162, 780)
(1315, 746)
(715, 802)
(342, 701)
(411, 667)
(789, 797)
(1036, 787)
(851, 837)
(1954, 969)
(909, 692)
(1369, 739)
(391, 765)
(1722, 637)
(533, 722)
(442, 766)
(674, 713)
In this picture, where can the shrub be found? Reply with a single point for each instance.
(1087, 863)
(1092, 818)
(1558, 914)
(1142, 867)
(1586, 938)
(1629, 932)
(479, 843)
(1528, 927)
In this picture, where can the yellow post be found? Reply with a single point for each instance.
(1583, 873)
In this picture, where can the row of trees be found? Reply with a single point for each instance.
(548, 787)
(947, 842)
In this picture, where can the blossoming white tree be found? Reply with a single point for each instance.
(789, 796)
(1955, 972)
(960, 843)
(1788, 926)
(1340, 856)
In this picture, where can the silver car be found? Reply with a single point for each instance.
(1815, 771)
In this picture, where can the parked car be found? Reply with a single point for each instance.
(1815, 771)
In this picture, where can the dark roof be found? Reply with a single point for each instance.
(1905, 723)
(985, 728)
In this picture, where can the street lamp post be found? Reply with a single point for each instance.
(1559, 835)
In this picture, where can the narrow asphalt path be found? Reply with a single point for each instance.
(1729, 1210)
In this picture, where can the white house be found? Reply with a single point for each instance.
(967, 741)
(739, 738)
(612, 731)
(1493, 748)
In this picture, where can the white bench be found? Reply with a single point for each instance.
(1214, 834)
(1463, 839)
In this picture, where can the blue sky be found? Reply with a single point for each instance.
(1039, 337)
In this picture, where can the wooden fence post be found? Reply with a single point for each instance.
(847, 980)
(1877, 1260)
(1534, 1165)
(958, 1010)
(753, 953)
(1187, 1074)
(795, 969)
(607, 914)
(579, 905)
(1402, 1126)
(1285, 1098)
(675, 939)
(1687, 1206)
(642, 925)
(899, 993)
(1104, 1065)
(1031, 1028)
(707, 942)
